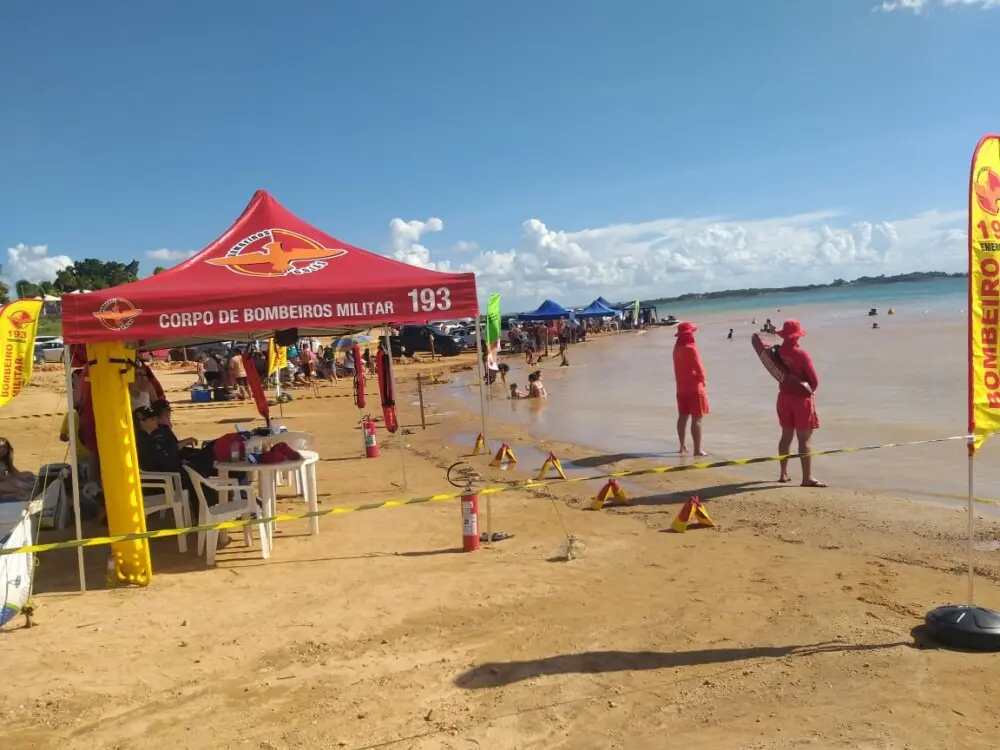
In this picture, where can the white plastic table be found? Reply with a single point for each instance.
(267, 481)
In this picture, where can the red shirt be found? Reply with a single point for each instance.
(800, 365)
(688, 370)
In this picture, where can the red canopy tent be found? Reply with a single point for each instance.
(270, 271)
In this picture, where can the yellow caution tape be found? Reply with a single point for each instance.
(203, 405)
(527, 485)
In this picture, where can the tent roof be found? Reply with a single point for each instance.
(548, 310)
(596, 309)
(269, 271)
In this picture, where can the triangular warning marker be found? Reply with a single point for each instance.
(505, 454)
(480, 447)
(694, 511)
(610, 491)
(551, 463)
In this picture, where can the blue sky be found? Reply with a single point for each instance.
(664, 146)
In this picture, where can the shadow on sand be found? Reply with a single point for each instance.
(499, 674)
(716, 492)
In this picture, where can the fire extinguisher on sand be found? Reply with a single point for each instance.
(371, 443)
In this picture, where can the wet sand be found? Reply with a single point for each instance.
(787, 625)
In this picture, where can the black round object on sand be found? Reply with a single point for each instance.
(962, 626)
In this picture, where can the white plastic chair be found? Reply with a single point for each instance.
(243, 505)
(55, 504)
(169, 495)
(297, 441)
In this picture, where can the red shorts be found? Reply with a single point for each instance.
(797, 412)
(692, 404)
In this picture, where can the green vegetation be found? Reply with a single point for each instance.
(50, 325)
(862, 281)
(89, 274)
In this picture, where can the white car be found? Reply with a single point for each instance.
(49, 351)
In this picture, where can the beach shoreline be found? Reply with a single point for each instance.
(788, 623)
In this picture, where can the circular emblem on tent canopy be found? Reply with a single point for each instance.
(20, 319)
(117, 314)
(277, 252)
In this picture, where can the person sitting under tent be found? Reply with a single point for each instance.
(141, 391)
(158, 450)
(15, 486)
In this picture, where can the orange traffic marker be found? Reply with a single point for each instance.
(694, 511)
(480, 447)
(505, 454)
(551, 463)
(610, 491)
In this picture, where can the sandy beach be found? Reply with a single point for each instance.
(790, 624)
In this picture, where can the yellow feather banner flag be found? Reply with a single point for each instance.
(984, 291)
(18, 325)
(277, 357)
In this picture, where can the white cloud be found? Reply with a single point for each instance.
(169, 255)
(465, 247)
(919, 6)
(673, 256)
(404, 242)
(32, 263)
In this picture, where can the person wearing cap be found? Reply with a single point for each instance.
(165, 430)
(796, 402)
(692, 401)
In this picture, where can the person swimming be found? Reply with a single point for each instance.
(514, 393)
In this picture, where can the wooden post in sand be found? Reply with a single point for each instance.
(430, 338)
(420, 397)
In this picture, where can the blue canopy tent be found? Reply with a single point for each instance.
(614, 310)
(548, 310)
(596, 309)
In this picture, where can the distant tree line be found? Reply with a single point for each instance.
(862, 281)
(88, 274)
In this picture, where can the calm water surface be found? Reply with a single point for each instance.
(903, 382)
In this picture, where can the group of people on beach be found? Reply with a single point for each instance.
(796, 404)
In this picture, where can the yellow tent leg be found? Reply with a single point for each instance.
(119, 464)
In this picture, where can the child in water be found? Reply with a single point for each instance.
(536, 389)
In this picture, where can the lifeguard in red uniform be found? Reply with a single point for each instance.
(692, 401)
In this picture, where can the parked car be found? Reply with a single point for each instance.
(49, 351)
(467, 336)
(416, 338)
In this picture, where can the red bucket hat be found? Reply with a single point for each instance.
(686, 327)
(792, 329)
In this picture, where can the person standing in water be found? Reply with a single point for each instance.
(692, 401)
(796, 402)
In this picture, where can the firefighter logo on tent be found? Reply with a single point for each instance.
(117, 314)
(276, 252)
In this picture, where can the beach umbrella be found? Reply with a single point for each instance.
(348, 341)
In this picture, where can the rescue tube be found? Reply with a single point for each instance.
(256, 388)
(772, 362)
(383, 367)
(359, 378)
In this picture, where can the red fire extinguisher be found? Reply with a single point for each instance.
(470, 520)
(371, 444)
